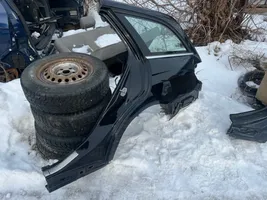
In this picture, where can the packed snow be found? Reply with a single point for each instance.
(83, 49)
(98, 20)
(107, 39)
(252, 84)
(113, 82)
(72, 32)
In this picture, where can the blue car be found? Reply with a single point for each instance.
(16, 48)
(26, 30)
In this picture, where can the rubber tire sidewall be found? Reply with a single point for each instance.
(69, 98)
(249, 76)
(70, 125)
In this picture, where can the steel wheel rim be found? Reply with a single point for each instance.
(65, 71)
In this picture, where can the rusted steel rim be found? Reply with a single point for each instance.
(65, 71)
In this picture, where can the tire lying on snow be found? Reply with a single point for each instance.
(66, 125)
(255, 77)
(65, 83)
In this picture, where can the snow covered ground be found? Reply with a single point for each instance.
(188, 157)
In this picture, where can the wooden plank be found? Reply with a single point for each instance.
(262, 91)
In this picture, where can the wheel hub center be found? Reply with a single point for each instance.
(66, 69)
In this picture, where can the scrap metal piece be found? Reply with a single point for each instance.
(250, 125)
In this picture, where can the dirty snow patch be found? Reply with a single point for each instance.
(107, 39)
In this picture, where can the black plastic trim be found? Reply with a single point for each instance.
(250, 125)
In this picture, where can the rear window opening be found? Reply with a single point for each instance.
(103, 43)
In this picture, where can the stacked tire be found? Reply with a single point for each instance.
(67, 93)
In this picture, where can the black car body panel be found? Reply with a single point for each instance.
(148, 79)
(251, 126)
(16, 49)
